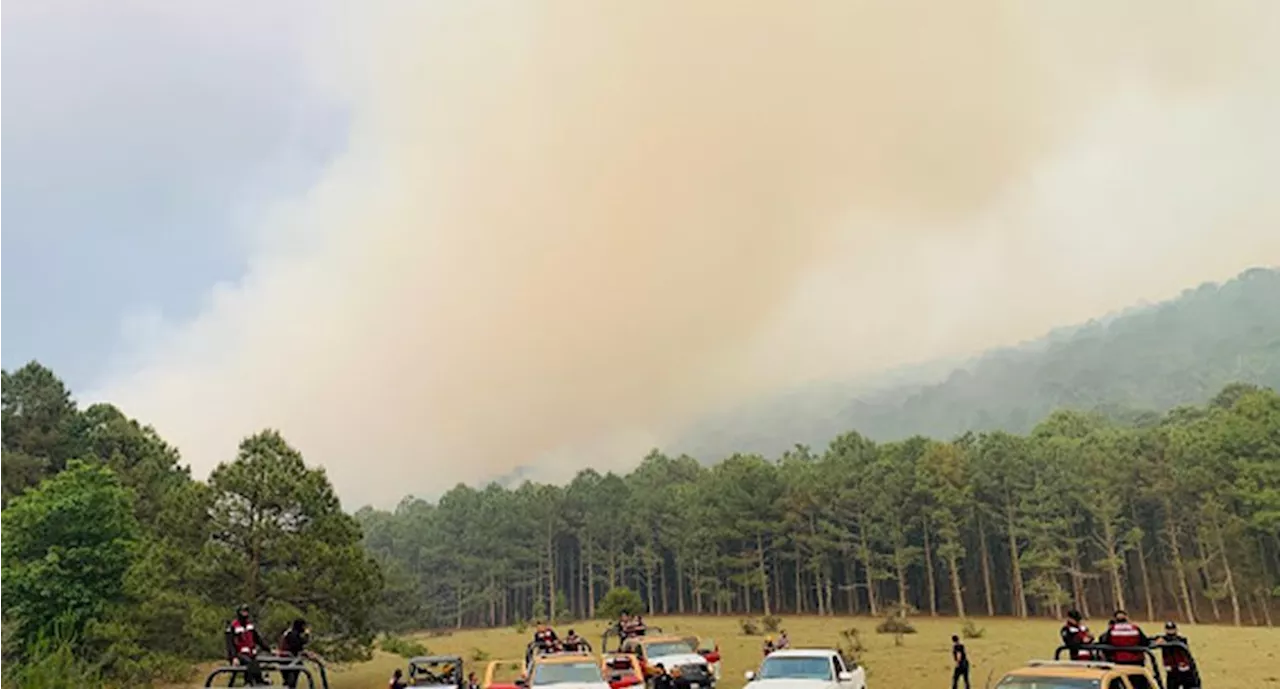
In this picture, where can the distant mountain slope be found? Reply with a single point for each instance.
(1182, 351)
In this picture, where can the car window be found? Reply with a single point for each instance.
(1117, 683)
(1139, 681)
(1023, 682)
(796, 667)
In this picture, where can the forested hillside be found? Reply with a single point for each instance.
(1176, 517)
(1144, 359)
(116, 562)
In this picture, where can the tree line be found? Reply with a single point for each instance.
(1174, 515)
(118, 566)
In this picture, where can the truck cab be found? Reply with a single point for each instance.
(805, 668)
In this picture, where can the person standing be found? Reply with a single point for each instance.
(1125, 635)
(397, 680)
(243, 641)
(961, 659)
(1179, 669)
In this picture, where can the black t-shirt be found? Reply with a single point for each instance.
(292, 642)
(959, 655)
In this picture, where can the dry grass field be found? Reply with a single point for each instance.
(1229, 658)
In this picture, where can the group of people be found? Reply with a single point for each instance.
(243, 642)
(1125, 644)
(545, 640)
(1128, 644)
(771, 644)
(629, 626)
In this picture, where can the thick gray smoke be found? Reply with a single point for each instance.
(572, 224)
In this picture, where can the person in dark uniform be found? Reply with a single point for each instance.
(397, 680)
(243, 642)
(472, 681)
(293, 644)
(961, 658)
(1179, 668)
(664, 680)
(1075, 634)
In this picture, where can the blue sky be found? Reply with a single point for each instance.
(136, 141)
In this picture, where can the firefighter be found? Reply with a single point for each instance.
(293, 643)
(545, 638)
(1179, 669)
(664, 680)
(397, 680)
(573, 642)
(961, 659)
(243, 642)
(638, 627)
(783, 641)
(1074, 635)
(472, 681)
(769, 646)
(1124, 635)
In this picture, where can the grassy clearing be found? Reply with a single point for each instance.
(1229, 658)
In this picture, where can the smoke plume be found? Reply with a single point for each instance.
(561, 227)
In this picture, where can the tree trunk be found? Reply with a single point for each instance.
(898, 565)
(1015, 567)
(591, 580)
(1113, 564)
(928, 568)
(1202, 554)
(1142, 570)
(1230, 579)
(764, 574)
(956, 591)
(988, 594)
(551, 576)
(1179, 569)
(864, 551)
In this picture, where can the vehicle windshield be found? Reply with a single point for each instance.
(667, 648)
(1047, 683)
(795, 667)
(560, 673)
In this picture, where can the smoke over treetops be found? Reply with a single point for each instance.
(561, 227)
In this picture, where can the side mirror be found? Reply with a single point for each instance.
(845, 676)
(749, 675)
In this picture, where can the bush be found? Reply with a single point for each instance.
(771, 622)
(896, 622)
(851, 640)
(478, 655)
(619, 600)
(51, 663)
(749, 627)
(406, 648)
(521, 626)
(971, 630)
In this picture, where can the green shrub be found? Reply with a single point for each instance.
(619, 600)
(749, 627)
(405, 648)
(51, 663)
(771, 622)
(972, 631)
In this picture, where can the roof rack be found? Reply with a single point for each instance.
(1099, 664)
(276, 663)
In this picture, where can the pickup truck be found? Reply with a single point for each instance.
(806, 668)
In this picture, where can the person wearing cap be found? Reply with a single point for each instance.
(1179, 668)
(1125, 635)
(397, 680)
(243, 642)
(768, 646)
(1075, 634)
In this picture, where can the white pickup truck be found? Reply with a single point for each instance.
(806, 668)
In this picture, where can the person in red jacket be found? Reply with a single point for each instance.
(243, 642)
(1124, 635)
(1179, 669)
(1074, 635)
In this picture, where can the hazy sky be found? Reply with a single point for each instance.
(433, 241)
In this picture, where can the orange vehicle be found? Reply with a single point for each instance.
(622, 670)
